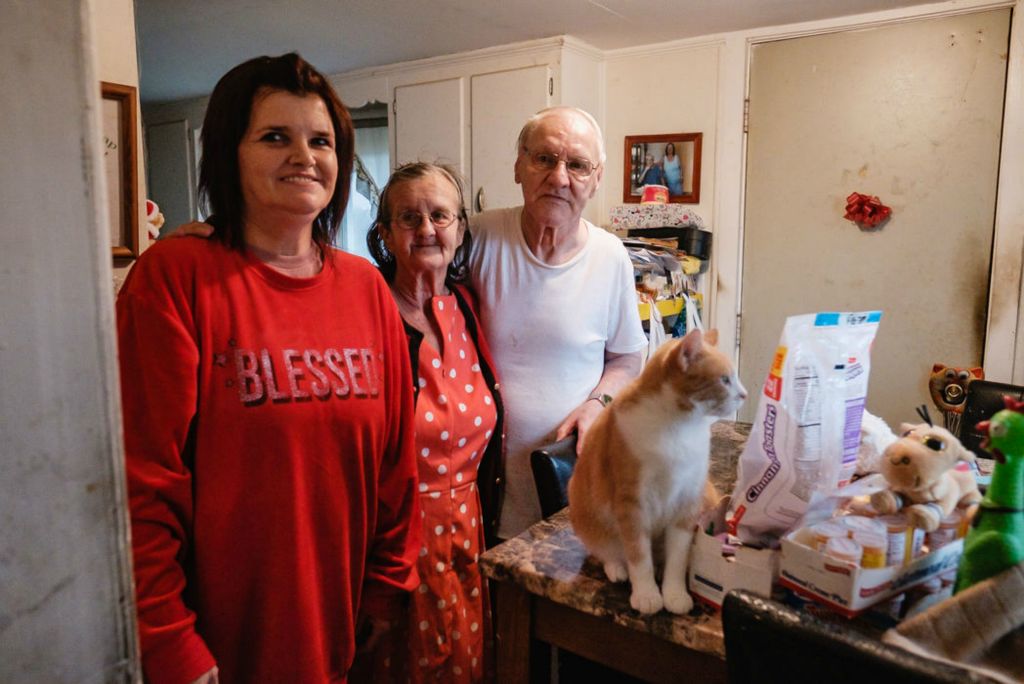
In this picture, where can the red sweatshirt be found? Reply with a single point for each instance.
(268, 432)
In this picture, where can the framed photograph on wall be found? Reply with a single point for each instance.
(118, 114)
(672, 160)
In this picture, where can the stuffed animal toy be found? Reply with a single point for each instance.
(995, 541)
(875, 436)
(929, 473)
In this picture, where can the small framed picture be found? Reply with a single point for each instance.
(119, 117)
(672, 160)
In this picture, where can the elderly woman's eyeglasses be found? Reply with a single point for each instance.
(578, 167)
(411, 220)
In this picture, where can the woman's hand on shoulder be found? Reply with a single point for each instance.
(194, 229)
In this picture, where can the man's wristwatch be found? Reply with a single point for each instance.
(604, 399)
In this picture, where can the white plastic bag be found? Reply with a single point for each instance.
(693, 321)
(656, 335)
(806, 430)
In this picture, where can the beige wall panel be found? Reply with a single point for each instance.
(911, 113)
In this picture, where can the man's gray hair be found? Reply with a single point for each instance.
(535, 120)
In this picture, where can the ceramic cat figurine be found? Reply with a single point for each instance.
(948, 386)
(641, 480)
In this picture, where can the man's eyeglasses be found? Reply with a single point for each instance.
(577, 167)
(410, 220)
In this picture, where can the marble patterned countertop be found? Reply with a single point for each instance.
(548, 560)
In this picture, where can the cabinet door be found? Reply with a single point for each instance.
(501, 103)
(430, 123)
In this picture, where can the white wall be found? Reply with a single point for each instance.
(700, 85)
(66, 603)
(117, 62)
(661, 89)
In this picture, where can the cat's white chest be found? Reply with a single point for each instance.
(671, 448)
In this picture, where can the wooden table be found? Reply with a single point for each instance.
(549, 592)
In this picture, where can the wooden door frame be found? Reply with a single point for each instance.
(1004, 352)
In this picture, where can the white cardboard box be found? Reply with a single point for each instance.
(848, 588)
(711, 575)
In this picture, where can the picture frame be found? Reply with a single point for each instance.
(648, 160)
(119, 118)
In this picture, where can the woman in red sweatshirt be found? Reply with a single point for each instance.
(268, 406)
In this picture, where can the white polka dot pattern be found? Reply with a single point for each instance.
(455, 414)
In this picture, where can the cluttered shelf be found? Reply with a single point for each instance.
(670, 307)
(670, 251)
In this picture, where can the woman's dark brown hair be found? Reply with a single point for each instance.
(226, 121)
(458, 269)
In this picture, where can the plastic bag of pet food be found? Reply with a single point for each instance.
(806, 431)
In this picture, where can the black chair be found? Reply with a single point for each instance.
(984, 400)
(766, 641)
(552, 467)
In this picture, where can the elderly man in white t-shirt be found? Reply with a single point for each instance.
(557, 300)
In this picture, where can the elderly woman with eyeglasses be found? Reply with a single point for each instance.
(421, 244)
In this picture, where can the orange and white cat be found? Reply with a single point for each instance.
(641, 480)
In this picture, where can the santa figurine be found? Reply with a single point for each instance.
(154, 219)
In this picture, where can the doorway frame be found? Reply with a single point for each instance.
(1003, 357)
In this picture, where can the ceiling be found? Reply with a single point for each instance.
(186, 45)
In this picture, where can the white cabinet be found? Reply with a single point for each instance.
(500, 103)
(431, 125)
(467, 109)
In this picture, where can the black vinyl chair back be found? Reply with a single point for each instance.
(984, 400)
(552, 466)
(766, 641)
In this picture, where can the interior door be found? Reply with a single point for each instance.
(430, 123)
(501, 102)
(910, 113)
(170, 168)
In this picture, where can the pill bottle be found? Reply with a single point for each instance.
(896, 539)
(844, 549)
(823, 531)
(915, 543)
(862, 523)
(874, 546)
(946, 532)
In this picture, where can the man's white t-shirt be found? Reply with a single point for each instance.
(548, 328)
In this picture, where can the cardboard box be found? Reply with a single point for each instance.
(849, 589)
(712, 575)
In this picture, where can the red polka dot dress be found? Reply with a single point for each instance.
(447, 634)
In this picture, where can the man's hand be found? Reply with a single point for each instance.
(195, 228)
(619, 370)
(580, 420)
(207, 677)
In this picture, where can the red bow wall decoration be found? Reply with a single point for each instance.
(865, 210)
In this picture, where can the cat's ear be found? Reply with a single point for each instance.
(938, 367)
(691, 347)
(711, 336)
(979, 373)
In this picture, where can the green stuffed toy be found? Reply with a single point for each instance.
(995, 541)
